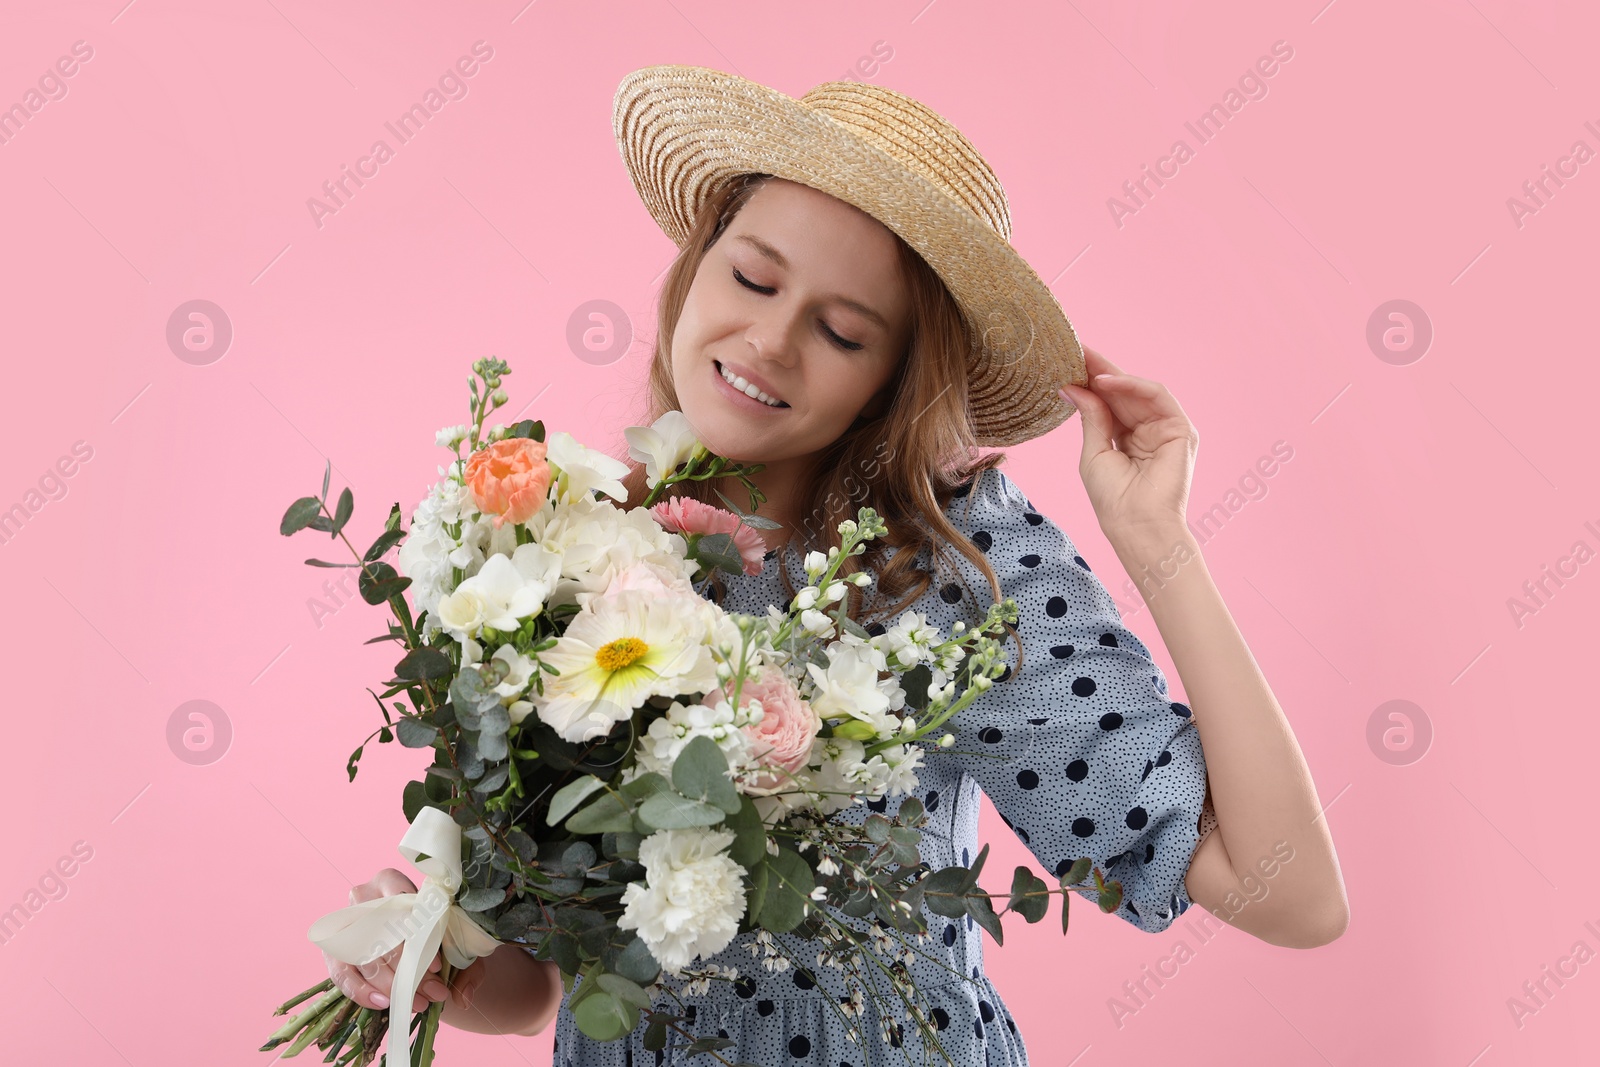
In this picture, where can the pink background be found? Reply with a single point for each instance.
(1375, 565)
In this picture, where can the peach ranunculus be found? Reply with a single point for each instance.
(782, 739)
(509, 479)
(689, 516)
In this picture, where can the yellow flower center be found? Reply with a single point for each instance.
(616, 655)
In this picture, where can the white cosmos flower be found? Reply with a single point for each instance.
(621, 650)
(583, 469)
(692, 899)
(663, 446)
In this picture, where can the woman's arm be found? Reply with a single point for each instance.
(1265, 800)
(1137, 462)
(516, 995)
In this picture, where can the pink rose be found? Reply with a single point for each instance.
(782, 739)
(510, 479)
(688, 516)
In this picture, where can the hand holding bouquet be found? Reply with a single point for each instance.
(624, 777)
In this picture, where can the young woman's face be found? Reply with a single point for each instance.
(802, 297)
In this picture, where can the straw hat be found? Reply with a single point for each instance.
(683, 130)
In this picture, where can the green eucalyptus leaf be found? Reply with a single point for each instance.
(414, 733)
(668, 811)
(750, 841)
(569, 796)
(481, 899)
(945, 890)
(701, 773)
(1030, 897)
(983, 913)
(626, 991)
(341, 514)
(386, 540)
(299, 515)
(379, 582)
(608, 813)
(788, 888)
(421, 664)
(601, 1017)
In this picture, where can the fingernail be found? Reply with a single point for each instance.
(380, 1000)
(1097, 377)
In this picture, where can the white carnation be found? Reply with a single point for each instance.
(692, 899)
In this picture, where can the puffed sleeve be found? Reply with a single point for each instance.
(1082, 751)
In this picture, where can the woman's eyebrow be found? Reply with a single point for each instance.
(781, 260)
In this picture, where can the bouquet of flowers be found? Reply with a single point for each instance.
(624, 776)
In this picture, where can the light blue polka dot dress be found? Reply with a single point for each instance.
(1082, 752)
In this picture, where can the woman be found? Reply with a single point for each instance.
(846, 310)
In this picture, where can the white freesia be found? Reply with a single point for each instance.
(663, 446)
(582, 469)
(504, 592)
(692, 899)
(519, 668)
(848, 687)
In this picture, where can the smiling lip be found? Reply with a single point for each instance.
(716, 368)
(739, 371)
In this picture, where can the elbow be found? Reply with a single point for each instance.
(1316, 927)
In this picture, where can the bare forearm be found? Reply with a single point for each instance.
(1261, 787)
(519, 995)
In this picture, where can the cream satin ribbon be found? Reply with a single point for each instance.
(428, 921)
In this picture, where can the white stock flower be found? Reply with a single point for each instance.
(450, 436)
(909, 641)
(583, 469)
(663, 446)
(668, 735)
(816, 623)
(692, 899)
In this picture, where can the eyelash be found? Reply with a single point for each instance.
(849, 346)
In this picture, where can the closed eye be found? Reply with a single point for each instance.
(849, 346)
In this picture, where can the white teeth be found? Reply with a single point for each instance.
(747, 389)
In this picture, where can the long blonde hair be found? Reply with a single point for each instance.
(906, 463)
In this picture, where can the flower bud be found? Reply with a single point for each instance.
(856, 730)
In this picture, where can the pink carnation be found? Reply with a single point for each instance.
(782, 739)
(688, 516)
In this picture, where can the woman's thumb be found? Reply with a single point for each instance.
(1095, 416)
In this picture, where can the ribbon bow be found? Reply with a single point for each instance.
(427, 921)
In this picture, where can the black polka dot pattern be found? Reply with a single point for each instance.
(1082, 752)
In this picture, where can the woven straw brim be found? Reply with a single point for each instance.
(683, 130)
